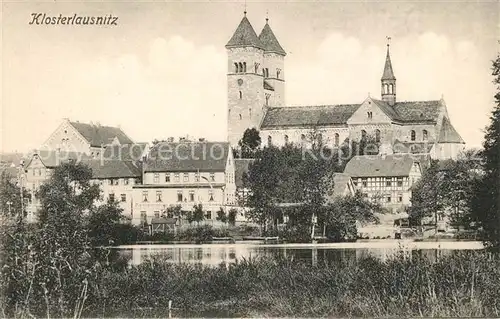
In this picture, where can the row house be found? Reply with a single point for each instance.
(185, 174)
(116, 180)
(388, 178)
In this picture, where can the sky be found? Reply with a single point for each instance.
(161, 71)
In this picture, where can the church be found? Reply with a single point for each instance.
(256, 99)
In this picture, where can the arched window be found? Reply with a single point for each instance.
(244, 67)
(241, 67)
(386, 88)
(363, 134)
(302, 138)
(256, 66)
(235, 67)
(250, 112)
(424, 135)
(286, 139)
(269, 140)
(241, 95)
(336, 139)
(413, 135)
(391, 89)
(278, 71)
(240, 116)
(377, 136)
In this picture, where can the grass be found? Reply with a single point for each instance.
(464, 285)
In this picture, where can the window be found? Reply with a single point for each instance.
(400, 198)
(364, 182)
(176, 177)
(240, 117)
(212, 177)
(388, 182)
(157, 214)
(278, 72)
(391, 89)
(156, 178)
(370, 115)
(286, 139)
(211, 195)
(158, 196)
(256, 67)
(236, 69)
(244, 67)
(377, 136)
(250, 112)
(388, 199)
(269, 140)
(337, 139)
(197, 177)
(363, 134)
(123, 197)
(125, 181)
(400, 181)
(144, 196)
(167, 178)
(111, 197)
(303, 138)
(144, 216)
(179, 196)
(208, 215)
(241, 95)
(110, 182)
(413, 135)
(424, 135)
(191, 196)
(186, 177)
(268, 96)
(240, 67)
(265, 72)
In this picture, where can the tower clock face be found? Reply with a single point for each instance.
(240, 82)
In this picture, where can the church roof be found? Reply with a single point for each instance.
(268, 39)
(98, 135)
(324, 115)
(244, 36)
(388, 72)
(377, 166)
(418, 111)
(448, 134)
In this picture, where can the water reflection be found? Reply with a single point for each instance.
(228, 253)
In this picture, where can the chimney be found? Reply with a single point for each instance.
(202, 139)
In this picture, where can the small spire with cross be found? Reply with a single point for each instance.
(245, 12)
(267, 16)
(388, 40)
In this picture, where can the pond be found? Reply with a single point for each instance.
(215, 254)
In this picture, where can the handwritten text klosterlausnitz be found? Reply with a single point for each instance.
(75, 19)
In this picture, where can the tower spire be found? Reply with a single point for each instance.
(267, 16)
(388, 72)
(388, 80)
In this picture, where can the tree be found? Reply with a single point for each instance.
(198, 213)
(231, 216)
(249, 143)
(221, 216)
(10, 195)
(486, 202)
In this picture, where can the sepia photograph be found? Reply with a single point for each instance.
(250, 159)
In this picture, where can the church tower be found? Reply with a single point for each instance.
(246, 98)
(388, 81)
(273, 69)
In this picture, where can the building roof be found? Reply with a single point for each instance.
(418, 111)
(125, 152)
(188, 157)
(244, 36)
(308, 115)
(448, 134)
(163, 220)
(269, 41)
(53, 158)
(241, 167)
(388, 72)
(412, 147)
(379, 166)
(340, 182)
(113, 169)
(98, 135)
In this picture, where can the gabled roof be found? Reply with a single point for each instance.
(418, 111)
(268, 39)
(53, 158)
(241, 167)
(113, 169)
(188, 157)
(244, 36)
(98, 135)
(448, 134)
(126, 152)
(388, 72)
(308, 115)
(379, 166)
